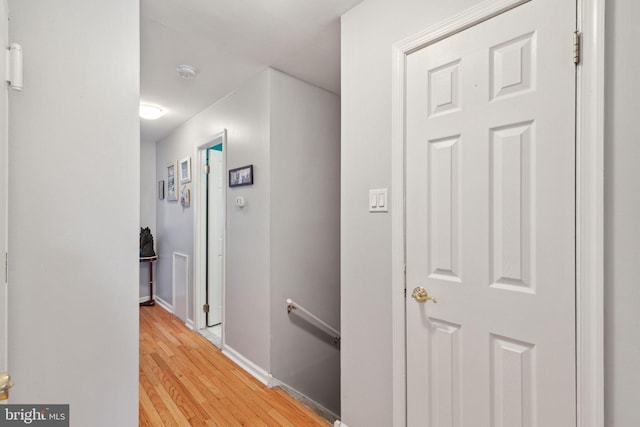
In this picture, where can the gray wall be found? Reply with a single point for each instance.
(148, 197)
(74, 205)
(305, 236)
(246, 305)
(244, 113)
(622, 211)
(285, 241)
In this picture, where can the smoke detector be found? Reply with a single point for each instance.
(187, 72)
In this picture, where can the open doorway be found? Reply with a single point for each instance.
(209, 251)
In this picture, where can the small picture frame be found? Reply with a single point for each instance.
(241, 176)
(185, 170)
(161, 190)
(172, 185)
(185, 197)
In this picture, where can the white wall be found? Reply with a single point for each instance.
(622, 211)
(244, 113)
(305, 236)
(74, 209)
(148, 197)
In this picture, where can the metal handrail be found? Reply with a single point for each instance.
(292, 305)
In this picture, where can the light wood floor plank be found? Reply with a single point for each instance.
(186, 381)
(148, 410)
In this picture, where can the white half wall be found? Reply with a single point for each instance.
(74, 170)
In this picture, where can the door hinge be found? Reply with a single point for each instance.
(577, 45)
(207, 169)
(14, 66)
(205, 308)
(404, 272)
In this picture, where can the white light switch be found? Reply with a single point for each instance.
(378, 200)
(373, 201)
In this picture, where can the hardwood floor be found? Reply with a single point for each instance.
(186, 381)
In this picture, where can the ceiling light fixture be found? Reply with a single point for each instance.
(151, 112)
(187, 72)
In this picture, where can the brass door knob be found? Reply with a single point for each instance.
(420, 295)
(5, 385)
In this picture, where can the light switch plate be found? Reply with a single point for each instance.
(378, 200)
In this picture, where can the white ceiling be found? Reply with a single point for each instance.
(228, 42)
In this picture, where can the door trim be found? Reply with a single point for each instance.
(199, 238)
(589, 203)
(590, 214)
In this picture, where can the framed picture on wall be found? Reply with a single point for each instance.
(185, 170)
(241, 176)
(172, 185)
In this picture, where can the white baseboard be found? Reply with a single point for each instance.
(189, 324)
(267, 379)
(144, 298)
(310, 403)
(256, 371)
(162, 303)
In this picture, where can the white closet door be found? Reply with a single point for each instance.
(490, 223)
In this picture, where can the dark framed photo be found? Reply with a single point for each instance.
(241, 176)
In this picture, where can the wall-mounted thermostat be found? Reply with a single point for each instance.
(240, 202)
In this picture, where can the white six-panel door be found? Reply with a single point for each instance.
(490, 223)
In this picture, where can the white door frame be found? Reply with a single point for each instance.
(200, 239)
(589, 201)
